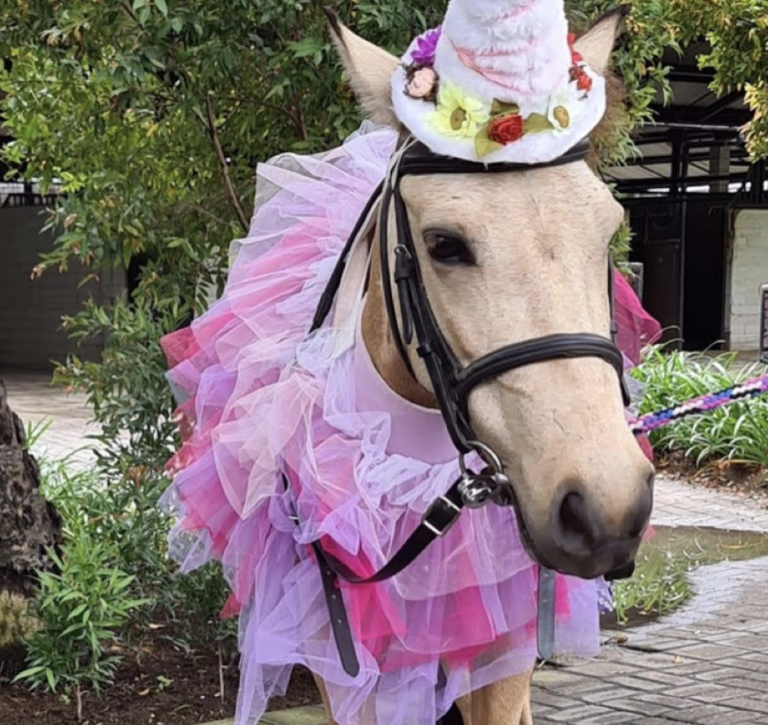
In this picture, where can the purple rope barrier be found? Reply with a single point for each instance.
(698, 406)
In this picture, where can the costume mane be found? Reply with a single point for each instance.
(259, 397)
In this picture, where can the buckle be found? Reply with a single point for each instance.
(441, 516)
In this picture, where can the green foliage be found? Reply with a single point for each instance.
(736, 433)
(16, 620)
(81, 609)
(660, 586)
(126, 518)
(127, 391)
(124, 515)
(153, 116)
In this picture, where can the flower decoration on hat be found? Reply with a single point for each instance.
(458, 114)
(499, 81)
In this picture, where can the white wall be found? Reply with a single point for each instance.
(748, 272)
(31, 311)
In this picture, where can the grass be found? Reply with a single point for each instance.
(737, 433)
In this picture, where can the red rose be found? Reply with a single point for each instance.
(583, 80)
(577, 57)
(506, 130)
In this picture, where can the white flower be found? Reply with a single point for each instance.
(565, 106)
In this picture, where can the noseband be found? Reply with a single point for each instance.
(452, 381)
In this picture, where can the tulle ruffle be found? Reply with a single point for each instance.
(259, 397)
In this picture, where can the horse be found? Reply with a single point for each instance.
(506, 258)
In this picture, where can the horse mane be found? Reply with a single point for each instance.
(615, 121)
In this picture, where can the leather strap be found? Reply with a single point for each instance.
(542, 349)
(452, 717)
(436, 523)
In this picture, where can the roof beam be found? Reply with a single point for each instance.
(690, 75)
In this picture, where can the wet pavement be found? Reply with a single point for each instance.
(66, 416)
(705, 664)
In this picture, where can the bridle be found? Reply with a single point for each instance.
(452, 381)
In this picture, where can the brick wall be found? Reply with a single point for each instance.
(31, 311)
(748, 272)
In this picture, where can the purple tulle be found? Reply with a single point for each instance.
(259, 396)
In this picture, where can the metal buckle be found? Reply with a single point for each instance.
(437, 528)
(491, 485)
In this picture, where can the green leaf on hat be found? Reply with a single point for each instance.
(536, 123)
(499, 108)
(484, 146)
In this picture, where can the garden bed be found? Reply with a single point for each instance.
(745, 479)
(158, 683)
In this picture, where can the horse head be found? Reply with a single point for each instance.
(505, 258)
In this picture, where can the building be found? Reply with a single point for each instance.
(699, 214)
(31, 311)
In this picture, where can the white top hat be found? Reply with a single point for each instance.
(499, 82)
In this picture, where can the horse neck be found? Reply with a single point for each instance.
(380, 343)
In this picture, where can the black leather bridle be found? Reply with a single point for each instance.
(451, 381)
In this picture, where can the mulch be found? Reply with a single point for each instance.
(746, 480)
(158, 683)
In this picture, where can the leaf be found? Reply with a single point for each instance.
(484, 146)
(162, 6)
(305, 48)
(500, 108)
(536, 123)
(31, 672)
(77, 611)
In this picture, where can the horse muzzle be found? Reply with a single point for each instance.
(584, 537)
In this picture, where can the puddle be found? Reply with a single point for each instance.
(661, 583)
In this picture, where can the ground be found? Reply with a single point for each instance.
(705, 665)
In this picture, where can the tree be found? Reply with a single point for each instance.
(29, 529)
(153, 114)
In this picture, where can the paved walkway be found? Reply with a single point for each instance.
(706, 665)
(37, 402)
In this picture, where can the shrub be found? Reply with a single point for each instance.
(81, 610)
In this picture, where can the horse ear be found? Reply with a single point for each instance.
(370, 70)
(596, 46)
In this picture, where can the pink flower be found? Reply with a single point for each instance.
(422, 84)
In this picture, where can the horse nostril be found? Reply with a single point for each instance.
(577, 531)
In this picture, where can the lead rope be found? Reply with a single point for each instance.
(700, 406)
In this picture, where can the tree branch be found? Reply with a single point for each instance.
(214, 136)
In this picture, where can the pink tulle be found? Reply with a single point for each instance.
(259, 396)
(637, 329)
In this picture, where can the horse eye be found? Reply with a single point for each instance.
(447, 249)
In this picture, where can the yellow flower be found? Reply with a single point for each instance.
(457, 114)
